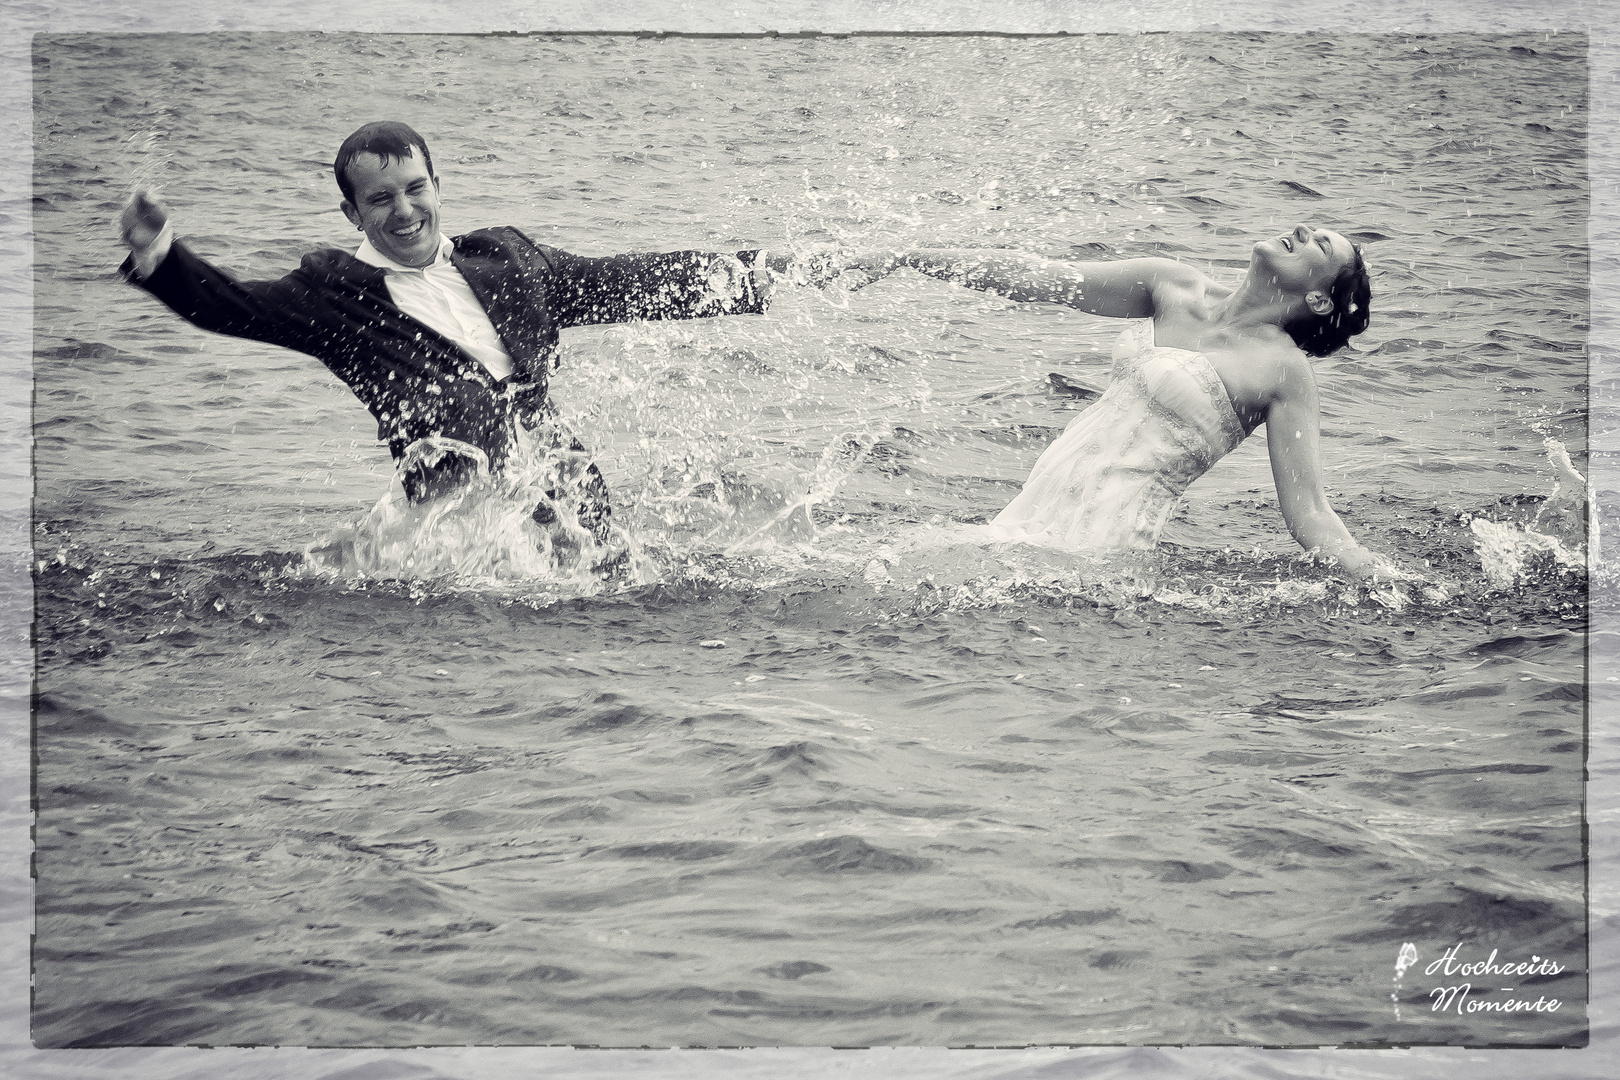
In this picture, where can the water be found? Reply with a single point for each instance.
(812, 766)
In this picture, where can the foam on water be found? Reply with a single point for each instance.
(766, 530)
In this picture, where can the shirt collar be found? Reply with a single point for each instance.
(372, 257)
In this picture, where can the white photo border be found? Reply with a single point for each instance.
(20, 21)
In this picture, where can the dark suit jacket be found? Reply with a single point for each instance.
(415, 381)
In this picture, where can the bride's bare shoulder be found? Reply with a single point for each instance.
(1184, 288)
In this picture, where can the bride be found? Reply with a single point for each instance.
(1202, 368)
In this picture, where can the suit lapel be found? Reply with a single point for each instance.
(372, 282)
(501, 284)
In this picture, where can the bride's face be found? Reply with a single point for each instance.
(1302, 260)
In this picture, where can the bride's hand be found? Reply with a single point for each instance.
(860, 268)
(843, 267)
(1378, 573)
(1382, 571)
(816, 268)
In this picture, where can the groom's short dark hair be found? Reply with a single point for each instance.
(388, 139)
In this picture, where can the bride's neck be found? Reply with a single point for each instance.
(1253, 306)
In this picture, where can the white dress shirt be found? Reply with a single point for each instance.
(437, 294)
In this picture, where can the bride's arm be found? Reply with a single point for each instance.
(1293, 423)
(1124, 289)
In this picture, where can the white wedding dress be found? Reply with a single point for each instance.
(1112, 479)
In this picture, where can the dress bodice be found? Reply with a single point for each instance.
(1111, 480)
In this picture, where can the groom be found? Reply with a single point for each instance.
(449, 341)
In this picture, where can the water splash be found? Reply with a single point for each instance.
(146, 158)
(1562, 537)
(840, 458)
(489, 529)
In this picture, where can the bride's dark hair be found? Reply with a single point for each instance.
(1351, 292)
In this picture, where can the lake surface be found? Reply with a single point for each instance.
(819, 767)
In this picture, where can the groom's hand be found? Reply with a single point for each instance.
(142, 222)
(143, 226)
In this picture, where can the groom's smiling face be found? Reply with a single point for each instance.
(396, 203)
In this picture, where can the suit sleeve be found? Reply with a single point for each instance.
(585, 291)
(212, 299)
